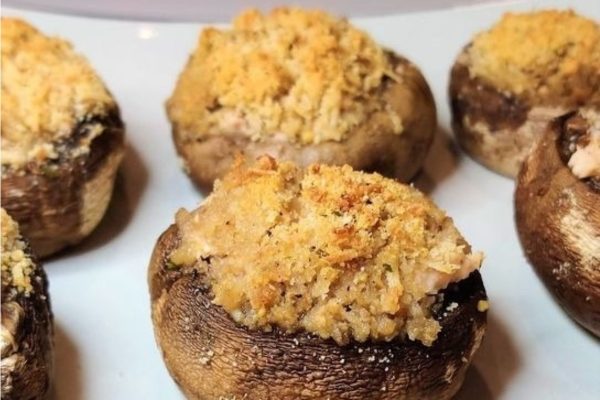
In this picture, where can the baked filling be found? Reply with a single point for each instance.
(301, 74)
(335, 252)
(549, 56)
(17, 265)
(584, 145)
(47, 89)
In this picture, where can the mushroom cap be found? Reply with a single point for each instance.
(59, 202)
(27, 345)
(62, 138)
(558, 220)
(504, 90)
(210, 356)
(333, 96)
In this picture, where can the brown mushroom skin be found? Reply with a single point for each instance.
(27, 342)
(496, 128)
(211, 357)
(558, 220)
(59, 203)
(372, 146)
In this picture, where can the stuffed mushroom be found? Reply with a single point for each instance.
(62, 139)
(557, 205)
(26, 331)
(301, 86)
(513, 79)
(316, 283)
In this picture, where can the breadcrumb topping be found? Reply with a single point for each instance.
(17, 265)
(585, 161)
(483, 305)
(339, 253)
(46, 89)
(303, 74)
(550, 55)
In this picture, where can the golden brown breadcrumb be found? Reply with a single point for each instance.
(551, 55)
(303, 74)
(17, 265)
(336, 252)
(46, 89)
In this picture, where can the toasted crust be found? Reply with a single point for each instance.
(302, 74)
(557, 62)
(26, 333)
(47, 88)
(338, 253)
(210, 356)
(58, 203)
(372, 146)
(558, 220)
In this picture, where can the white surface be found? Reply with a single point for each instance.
(104, 342)
(209, 10)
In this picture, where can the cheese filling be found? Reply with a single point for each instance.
(585, 161)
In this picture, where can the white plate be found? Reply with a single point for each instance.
(208, 10)
(105, 347)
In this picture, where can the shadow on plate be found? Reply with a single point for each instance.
(474, 387)
(441, 162)
(495, 364)
(130, 184)
(68, 373)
